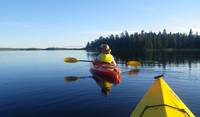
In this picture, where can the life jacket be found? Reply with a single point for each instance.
(107, 58)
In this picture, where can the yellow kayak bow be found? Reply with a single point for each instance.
(161, 101)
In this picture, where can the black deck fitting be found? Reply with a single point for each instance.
(156, 77)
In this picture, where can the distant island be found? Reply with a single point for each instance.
(30, 49)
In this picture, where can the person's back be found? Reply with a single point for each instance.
(105, 56)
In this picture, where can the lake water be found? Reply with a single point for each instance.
(33, 83)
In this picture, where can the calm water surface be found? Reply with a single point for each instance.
(33, 83)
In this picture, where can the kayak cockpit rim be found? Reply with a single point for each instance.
(152, 106)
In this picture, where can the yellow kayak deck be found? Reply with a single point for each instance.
(161, 101)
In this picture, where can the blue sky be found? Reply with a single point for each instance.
(72, 23)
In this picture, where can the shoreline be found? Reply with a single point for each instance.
(38, 49)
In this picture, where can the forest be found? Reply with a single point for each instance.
(149, 41)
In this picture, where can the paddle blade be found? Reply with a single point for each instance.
(133, 63)
(70, 60)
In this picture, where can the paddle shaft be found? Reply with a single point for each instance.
(85, 61)
(74, 60)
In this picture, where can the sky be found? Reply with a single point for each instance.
(72, 23)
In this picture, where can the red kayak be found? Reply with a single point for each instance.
(109, 72)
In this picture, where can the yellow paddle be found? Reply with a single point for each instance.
(74, 60)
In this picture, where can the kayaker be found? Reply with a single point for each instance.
(105, 55)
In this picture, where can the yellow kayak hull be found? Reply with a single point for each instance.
(161, 101)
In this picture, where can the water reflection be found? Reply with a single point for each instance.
(133, 72)
(104, 83)
(45, 93)
(69, 79)
(156, 58)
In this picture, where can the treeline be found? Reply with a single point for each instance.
(149, 41)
